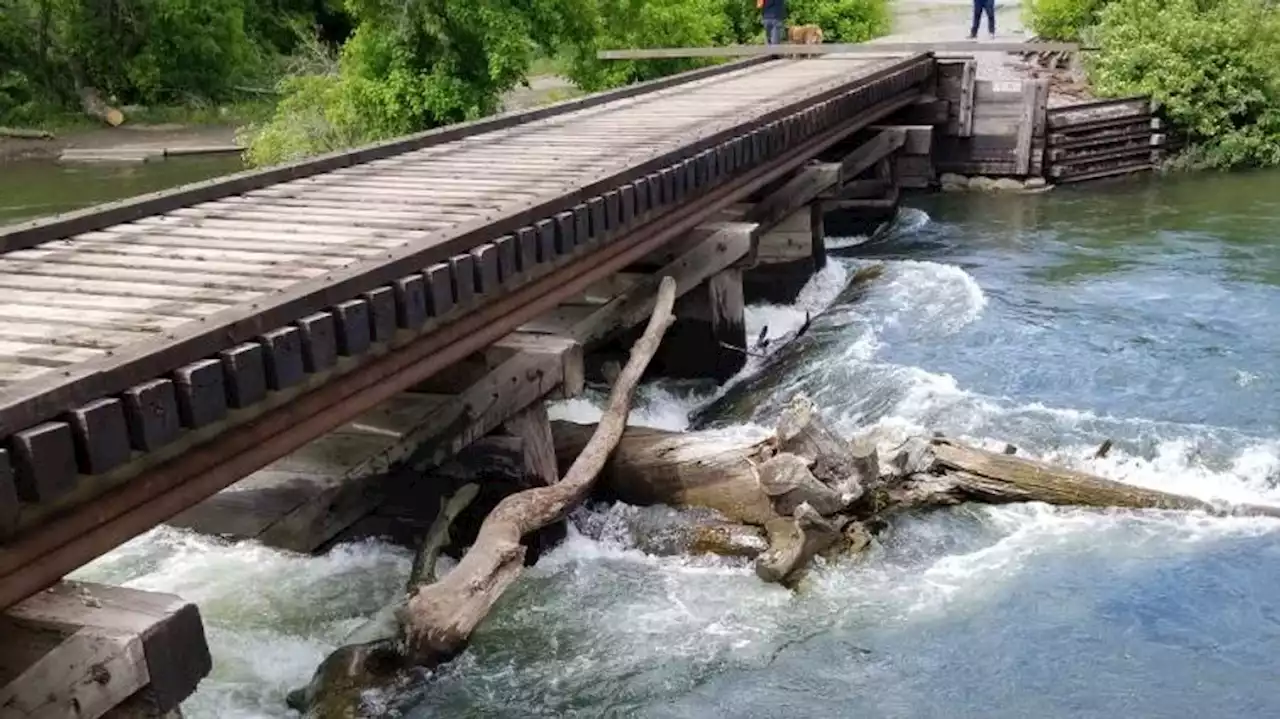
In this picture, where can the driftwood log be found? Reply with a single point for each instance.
(94, 106)
(815, 493)
(437, 619)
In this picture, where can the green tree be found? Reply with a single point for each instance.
(412, 65)
(1211, 64)
(842, 20)
(1061, 19)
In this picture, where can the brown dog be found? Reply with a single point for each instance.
(804, 35)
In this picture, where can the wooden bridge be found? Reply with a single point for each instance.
(386, 308)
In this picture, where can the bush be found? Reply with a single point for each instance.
(623, 24)
(703, 23)
(410, 66)
(1061, 19)
(842, 20)
(1211, 64)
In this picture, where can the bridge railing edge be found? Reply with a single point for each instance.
(24, 235)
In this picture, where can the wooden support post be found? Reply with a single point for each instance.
(84, 650)
(709, 333)
(533, 427)
(304, 500)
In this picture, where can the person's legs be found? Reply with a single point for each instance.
(991, 16)
(776, 32)
(977, 18)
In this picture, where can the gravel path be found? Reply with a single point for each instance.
(948, 21)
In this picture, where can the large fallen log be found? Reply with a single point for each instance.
(809, 489)
(438, 618)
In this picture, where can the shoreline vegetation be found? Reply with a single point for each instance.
(303, 77)
(1209, 65)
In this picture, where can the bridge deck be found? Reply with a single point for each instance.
(68, 301)
(271, 305)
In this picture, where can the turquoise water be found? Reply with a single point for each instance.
(1141, 311)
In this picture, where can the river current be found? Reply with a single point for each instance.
(1147, 312)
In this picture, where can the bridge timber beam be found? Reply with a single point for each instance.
(325, 351)
(89, 650)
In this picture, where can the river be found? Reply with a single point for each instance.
(1146, 311)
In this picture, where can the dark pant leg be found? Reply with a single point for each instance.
(991, 15)
(977, 17)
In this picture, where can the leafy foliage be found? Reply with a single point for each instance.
(412, 65)
(842, 20)
(699, 23)
(651, 23)
(1211, 64)
(1061, 19)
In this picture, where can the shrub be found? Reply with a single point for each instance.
(412, 65)
(842, 20)
(1211, 64)
(623, 24)
(1061, 19)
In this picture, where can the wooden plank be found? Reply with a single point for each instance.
(1026, 127)
(8, 495)
(83, 674)
(28, 258)
(809, 183)
(202, 393)
(151, 413)
(44, 462)
(72, 275)
(245, 368)
(111, 294)
(872, 49)
(167, 652)
(871, 152)
(533, 426)
(139, 305)
(964, 126)
(726, 244)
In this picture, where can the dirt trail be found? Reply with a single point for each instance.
(949, 21)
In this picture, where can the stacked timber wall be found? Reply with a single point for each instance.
(1103, 139)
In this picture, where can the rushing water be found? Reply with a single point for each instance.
(1146, 312)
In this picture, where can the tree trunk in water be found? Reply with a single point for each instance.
(439, 618)
(653, 466)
